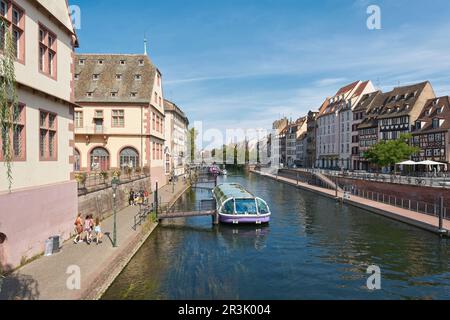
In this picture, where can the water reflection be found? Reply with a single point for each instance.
(314, 248)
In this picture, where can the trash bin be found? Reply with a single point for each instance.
(48, 247)
(51, 246)
(55, 241)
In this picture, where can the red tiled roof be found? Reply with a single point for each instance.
(347, 88)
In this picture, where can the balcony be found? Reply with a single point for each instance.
(92, 130)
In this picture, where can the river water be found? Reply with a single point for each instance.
(313, 248)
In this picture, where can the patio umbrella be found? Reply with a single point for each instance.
(407, 163)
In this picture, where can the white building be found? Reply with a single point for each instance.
(335, 121)
(176, 127)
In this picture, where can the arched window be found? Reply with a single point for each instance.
(99, 159)
(129, 157)
(77, 161)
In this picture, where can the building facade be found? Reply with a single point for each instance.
(334, 132)
(401, 108)
(177, 125)
(120, 121)
(431, 131)
(311, 126)
(43, 188)
(359, 113)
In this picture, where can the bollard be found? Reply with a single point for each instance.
(441, 215)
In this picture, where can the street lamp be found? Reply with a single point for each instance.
(114, 185)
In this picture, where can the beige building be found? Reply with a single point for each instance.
(43, 199)
(176, 131)
(120, 122)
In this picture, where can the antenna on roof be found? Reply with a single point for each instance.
(145, 44)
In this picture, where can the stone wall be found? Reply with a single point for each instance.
(408, 192)
(100, 203)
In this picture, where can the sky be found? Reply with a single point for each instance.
(244, 63)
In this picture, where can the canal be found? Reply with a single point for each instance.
(313, 249)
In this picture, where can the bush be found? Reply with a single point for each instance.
(81, 177)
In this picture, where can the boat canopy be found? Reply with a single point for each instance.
(234, 199)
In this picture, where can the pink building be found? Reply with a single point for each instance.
(43, 199)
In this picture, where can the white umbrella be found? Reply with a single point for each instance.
(407, 163)
(431, 163)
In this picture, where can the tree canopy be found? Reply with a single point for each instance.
(388, 153)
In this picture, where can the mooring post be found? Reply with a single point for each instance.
(441, 215)
(336, 186)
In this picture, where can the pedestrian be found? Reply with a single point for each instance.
(98, 231)
(131, 198)
(78, 229)
(88, 226)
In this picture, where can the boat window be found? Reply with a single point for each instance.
(228, 207)
(246, 206)
(262, 207)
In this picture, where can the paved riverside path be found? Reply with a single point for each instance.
(420, 220)
(46, 278)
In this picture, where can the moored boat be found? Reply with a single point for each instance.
(235, 205)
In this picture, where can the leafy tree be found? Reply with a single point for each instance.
(192, 137)
(388, 153)
(9, 106)
(258, 159)
(224, 154)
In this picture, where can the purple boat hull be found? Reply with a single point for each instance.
(244, 219)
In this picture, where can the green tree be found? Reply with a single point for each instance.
(388, 153)
(9, 106)
(224, 154)
(247, 152)
(258, 159)
(192, 137)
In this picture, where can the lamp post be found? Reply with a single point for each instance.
(114, 185)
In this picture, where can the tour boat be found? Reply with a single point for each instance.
(235, 205)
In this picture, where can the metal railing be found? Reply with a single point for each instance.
(441, 180)
(431, 209)
(96, 180)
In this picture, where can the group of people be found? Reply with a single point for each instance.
(87, 229)
(137, 198)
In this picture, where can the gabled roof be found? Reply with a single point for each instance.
(367, 101)
(169, 106)
(347, 89)
(128, 89)
(402, 100)
(59, 9)
(438, 108)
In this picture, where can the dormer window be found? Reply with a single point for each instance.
(81, 62)
(133, 94)
(418, 125)
(118, 76)
(436, 123)
(141, 62)
(100, 62)
(440, 110)
(113, 94)
(122, 62)
(76, 76)
(89, 94)
(95, 77)
(428, 112)
(137, 77)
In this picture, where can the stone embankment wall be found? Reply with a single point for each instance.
(100, 203)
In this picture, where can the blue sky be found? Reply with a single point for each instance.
(242, 64)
